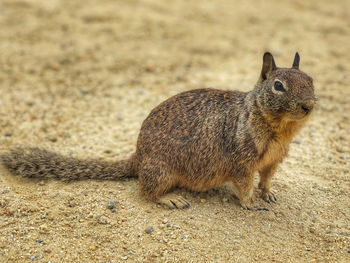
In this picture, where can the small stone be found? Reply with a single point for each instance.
(52, 139)
(312, 230)
(103, 220)
(165, 220)
(340, 67)
(203, 200)
(8, 134)
(125, 257)
(93, 247)
(112, 204)
(43, 228)
(40, 240)
(5, 191)
(149, 68)
(224, 199)
(149, 229)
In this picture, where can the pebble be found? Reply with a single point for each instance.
(102, 220)
(165, 220)
(5, 191)
(203, 200)
(84, 92)
(149, 229)
(40, 240)
(112, 204)
(92, 247)
(43, 228)
(52, 139)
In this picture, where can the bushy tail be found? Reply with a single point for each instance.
(40, 163)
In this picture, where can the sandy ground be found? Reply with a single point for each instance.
(78, 77)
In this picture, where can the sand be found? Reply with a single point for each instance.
(79, 77)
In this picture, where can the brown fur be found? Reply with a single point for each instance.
(199, 139)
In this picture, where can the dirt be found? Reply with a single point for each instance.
(78, 77)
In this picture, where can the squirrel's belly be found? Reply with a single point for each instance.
(201, 183)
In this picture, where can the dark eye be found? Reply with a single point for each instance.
(279, 86)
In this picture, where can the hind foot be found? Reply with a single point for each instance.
(246, 203)
(173, 201)
(268, 197)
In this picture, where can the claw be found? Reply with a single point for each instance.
(269, 197)
(173, 201)
(261, 209)
(254, 208)
(245, 207)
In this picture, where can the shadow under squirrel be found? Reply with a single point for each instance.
(199, 139)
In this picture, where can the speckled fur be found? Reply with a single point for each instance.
(199, 139)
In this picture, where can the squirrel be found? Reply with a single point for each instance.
(199, 139)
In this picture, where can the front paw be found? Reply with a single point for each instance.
(268, 197)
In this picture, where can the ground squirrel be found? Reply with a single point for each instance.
(199, 139)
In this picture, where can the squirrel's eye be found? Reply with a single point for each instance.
(279, 86)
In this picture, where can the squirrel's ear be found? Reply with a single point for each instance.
(268, 66)
(296, 61)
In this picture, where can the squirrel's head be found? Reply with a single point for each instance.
(284, 92)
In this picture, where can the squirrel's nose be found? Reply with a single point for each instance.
(308, 105)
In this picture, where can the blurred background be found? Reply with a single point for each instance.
(79, 77)
(73, 59)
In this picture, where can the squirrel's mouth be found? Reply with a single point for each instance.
(300, 115)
